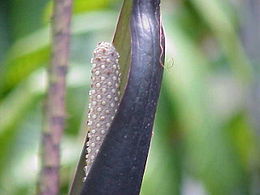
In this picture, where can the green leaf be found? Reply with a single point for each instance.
(217, 14)
(210, 155)
(32, 52)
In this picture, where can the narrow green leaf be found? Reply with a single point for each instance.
(210, 155)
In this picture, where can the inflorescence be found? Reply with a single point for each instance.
(103, 98)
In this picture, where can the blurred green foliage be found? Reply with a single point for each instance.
(204, 141)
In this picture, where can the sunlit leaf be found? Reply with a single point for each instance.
(210, 155)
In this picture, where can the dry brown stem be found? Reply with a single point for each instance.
(55, 105)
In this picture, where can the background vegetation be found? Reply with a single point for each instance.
(206, 132)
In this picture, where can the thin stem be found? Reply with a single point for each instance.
(55, 105)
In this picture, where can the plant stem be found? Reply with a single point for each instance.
(55, 105)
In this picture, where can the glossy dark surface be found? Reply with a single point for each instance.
(120, 164)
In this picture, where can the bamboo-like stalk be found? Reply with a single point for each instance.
(55, 105)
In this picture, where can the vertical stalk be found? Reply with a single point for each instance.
(55, 105)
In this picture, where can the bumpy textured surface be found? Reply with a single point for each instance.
(128, 139)
(103, 97)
